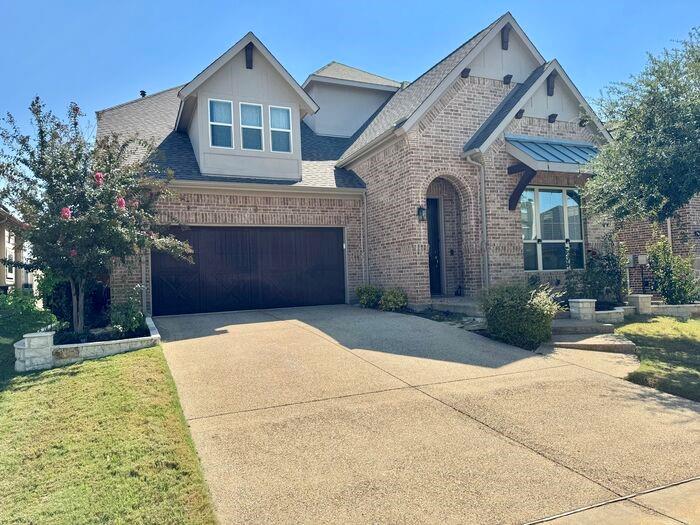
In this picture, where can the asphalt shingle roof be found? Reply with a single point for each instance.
(343, 72)
(153, 118)
(405, 101)
(507, 104)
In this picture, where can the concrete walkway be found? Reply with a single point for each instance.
(338, 414)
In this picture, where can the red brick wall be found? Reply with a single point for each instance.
(229, 208)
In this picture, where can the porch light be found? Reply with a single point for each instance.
(421, 214)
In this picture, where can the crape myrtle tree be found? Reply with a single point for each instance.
(83, 203)
(652, 168)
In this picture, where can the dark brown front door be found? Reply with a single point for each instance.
(434, 243)
(245, 268)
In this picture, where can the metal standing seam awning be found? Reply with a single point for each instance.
(545, 154)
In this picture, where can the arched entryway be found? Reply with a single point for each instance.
(445, 240)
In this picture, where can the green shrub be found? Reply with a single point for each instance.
(127, 316)
(393, 300)
(520, 315)
(674, 277)
(19, 315)
(604, 278)
(368, 295)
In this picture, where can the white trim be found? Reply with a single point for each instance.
(291, 125)
(261, 127)
(239, 46)
(230, 103)
(259, 187)
(538, 241)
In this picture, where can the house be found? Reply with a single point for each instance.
(296, 194)
(11, 249)
(682, 231)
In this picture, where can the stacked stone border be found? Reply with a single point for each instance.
(641, 304)
(36, 351)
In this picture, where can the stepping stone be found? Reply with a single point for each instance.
(595, 342)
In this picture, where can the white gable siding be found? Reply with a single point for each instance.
(343, 109)
(563, 103)
(260, 85)
(495, 63)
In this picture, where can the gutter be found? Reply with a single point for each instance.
(485, 264)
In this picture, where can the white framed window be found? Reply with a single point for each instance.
(220, 123)
(280, 129)
(252, 126)
(9, 270)
(552, 230)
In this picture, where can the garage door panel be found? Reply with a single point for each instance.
(243, 268)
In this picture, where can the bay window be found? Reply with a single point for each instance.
(251, 126)
(220, 123)
(280, 129)
(551, 226)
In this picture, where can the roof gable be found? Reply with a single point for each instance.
(408, 105)
(518, 97)
(307, 102)
(335, 72)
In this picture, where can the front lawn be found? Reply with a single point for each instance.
(669, 354)
(103, 441)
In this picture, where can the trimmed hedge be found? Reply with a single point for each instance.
(393, 300)
(368, 295)
(520, 315)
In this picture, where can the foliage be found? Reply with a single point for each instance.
(19, 314)
(520, 315)
(83, 203)
(669, 354)
(393, 300)
(127, 316)
(56, 296)
(674, 277)
(368, 295)
(651, 169)
(603, 279)
(103, 441)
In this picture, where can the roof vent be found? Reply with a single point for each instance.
(142, 93)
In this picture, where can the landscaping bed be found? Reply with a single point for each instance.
(102, 441)
(669, 354)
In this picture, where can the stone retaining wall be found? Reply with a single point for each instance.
(37, 351)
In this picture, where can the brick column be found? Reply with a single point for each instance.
(641, 302)
(34, 352)
(582, 309)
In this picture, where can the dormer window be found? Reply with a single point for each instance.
(251, 126)
(280, 129)
(220, 123)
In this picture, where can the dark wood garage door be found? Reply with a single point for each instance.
(246, 268)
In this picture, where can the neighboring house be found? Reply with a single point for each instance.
(295, 195)
(683, 232)
(11, 249)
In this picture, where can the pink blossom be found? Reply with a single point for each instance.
(99, 178)
(74, 253)
(66, 213)
(121, 203)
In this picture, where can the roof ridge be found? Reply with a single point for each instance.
(100, 111)
(355, 68)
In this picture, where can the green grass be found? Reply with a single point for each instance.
(669, 354)
(103, 441)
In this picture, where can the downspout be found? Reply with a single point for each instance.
(365, 258)
(485, 278)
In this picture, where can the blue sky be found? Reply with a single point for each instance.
(101, 53)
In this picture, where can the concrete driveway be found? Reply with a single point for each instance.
(338, 414)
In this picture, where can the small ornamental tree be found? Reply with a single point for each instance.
(83, 204)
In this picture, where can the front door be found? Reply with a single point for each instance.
(434, 243)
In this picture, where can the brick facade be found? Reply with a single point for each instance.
(245, 208)
(400, 176)
(685, 240)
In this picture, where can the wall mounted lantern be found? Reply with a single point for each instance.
(421, 214)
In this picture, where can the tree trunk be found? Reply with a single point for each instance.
(77, 291)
